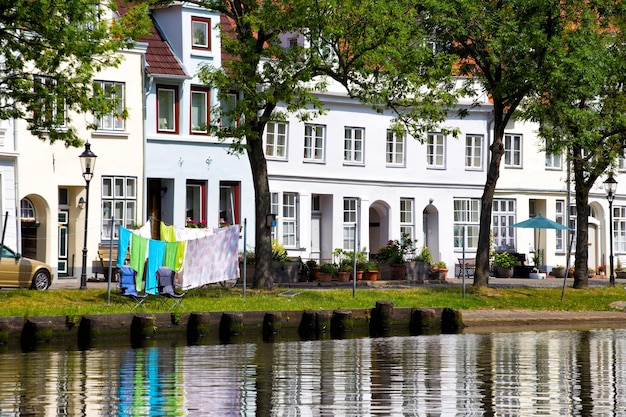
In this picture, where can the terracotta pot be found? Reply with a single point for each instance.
(343, 276)
(315, 273)
(397, 272)
(359, 275)
(503, 272)
(325, 277)
(371, 275)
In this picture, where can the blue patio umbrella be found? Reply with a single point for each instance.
(540, 222)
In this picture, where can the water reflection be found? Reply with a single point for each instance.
(517, 374)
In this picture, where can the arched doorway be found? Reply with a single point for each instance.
(378, 225)
(33, 214)
(430, 230)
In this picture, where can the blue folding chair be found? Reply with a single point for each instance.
(128, 289)
(167, 293)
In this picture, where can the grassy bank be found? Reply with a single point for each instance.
(94, 301)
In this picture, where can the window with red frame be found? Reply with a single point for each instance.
(201, 33)
(229, 203)
(200, 104)
(167, 109)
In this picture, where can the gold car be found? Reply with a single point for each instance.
(17, 271)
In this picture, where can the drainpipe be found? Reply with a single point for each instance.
(18, 214)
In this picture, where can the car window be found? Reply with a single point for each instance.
(7, 253)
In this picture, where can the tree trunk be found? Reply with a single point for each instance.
(263, 279)
(581, 260)
(481, 275)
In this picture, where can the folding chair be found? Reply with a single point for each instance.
(165, 279)
(128, 290)
(470, 267)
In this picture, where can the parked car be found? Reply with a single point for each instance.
(17, 271)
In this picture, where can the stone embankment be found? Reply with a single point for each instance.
(232, 327)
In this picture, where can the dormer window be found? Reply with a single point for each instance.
(201, 33)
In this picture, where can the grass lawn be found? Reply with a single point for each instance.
(94, 301)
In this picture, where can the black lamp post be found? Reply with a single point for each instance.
(87, 163)
(610, 185)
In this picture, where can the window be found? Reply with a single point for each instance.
(199, 109)
(201, 33)
(473, 151)
(353, 144)
(435, 150)
(114, 95)
(195, 205)
(119, 202)
(229, 116)
(560, 218)
(407, 219)
(167, 109)
(621, 163)
(290, 220)
(27, 210)
(394, 152)
(49, 111)
(274, 210)
(466, 222)
(502, 217)
(513, 151)
(229, 203)
(554, 161)
(276, 140)
(314, 142)
(350, 216)
(619, 228)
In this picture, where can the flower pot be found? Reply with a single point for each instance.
(502, 272)
(558, 272)
(397, 272)
(343, 276)
(417, 271)
(359, 275)
(325, 277)
(371, 275)
(443, 273)
(315, 273)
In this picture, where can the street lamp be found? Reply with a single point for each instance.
(87, 163)
(610, 185)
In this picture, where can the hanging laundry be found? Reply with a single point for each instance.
(138, 255)
(156, 249)
(125, 237)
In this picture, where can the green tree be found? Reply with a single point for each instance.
(509, 46)
(369, 47)
(49, 52)
(582, 108)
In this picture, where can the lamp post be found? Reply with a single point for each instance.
(87, 163)
(610, 185)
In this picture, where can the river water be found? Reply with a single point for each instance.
(560, 373)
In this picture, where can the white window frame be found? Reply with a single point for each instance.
(167, 117)
(350, 218)
(394, 148)
(561, 235)
(314, 142)
(121, 191)
(474, 152)
(275, 207)
(513, 150)
(276, 139)
(353, 141)
(407, 217)
(289, 220)
(554, 161)
(436, 150)
(112, 121)
(466, 217)
(619, 229)
(203, 25)
(58, 113)
(503, 214)
(199, 110)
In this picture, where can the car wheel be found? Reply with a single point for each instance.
(41, 280)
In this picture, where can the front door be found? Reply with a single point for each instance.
(316, 235)
(63, 241)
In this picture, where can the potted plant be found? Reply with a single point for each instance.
(440, 270)
(419, 267)
(504, 263)
(284, 268)
(314, 269)
(371, 271)
(327, 270)
(395, 253)
(591, 272)
(601, 269)
(558, 271)
(345, 259)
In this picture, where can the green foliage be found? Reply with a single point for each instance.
(68, 42)
(279, 253)
(396, 252)
(345, 259)
(424, 256)
(504, 260)
(328, 268)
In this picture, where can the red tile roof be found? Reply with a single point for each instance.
(159, 56)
